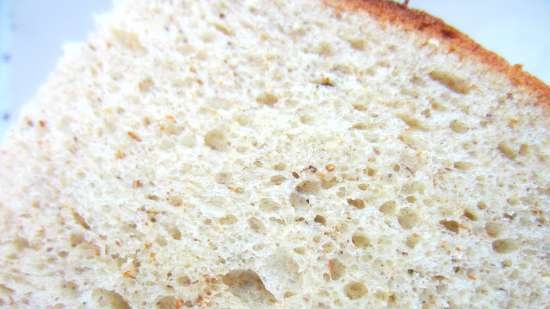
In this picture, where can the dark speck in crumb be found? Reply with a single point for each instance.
(5, 116)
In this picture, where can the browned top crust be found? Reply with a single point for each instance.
(454, 40)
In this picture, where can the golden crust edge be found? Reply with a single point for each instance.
(453, 40)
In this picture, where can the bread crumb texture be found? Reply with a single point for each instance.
(273, 154)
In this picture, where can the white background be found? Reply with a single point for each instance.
(32, 33)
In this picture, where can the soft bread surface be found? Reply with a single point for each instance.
(277, 154)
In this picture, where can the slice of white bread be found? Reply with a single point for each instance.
(278, 154)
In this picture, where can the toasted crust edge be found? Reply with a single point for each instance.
(452, 39)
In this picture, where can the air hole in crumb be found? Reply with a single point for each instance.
(80, 220)
(223, 178)
(109, 299)
(137, 184)
(360, 240)
(407, 218)
(70, 285)
(458, 126)
(493, 229)
(146, 121)
(145, 85)
(355, 290)
(450, 81)
(357, 44)
(248, 286)
(169, 302)
(183, 280)
(357, 203)
(120, 154)
(412, 240)
(174, 232)
(267, 204)
(152, 197)
(256, 225)
(169, 126)
(216, 140)
(134, 136)
(267, 98)
(470, 214)
(450, 225)
(360, 107)
(328, 182)
(506, 150)
(76, 239)
(224, 29)
(327, 247)
(361, 126)
(523, 149)
(370, 171)
(320, 219)
(388, 208)
(506, 245)
(336, 269)
(228, 220)
(277, 179)
(243, 120)
(279, 166)
(462, 165)
(308, 187)
(306, 119)
(437, 106)
(174, 200)
(161, 241)
(288, 294)
(481, 205)
(412, 122)
(325, 81)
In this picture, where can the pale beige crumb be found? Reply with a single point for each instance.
(274, 154)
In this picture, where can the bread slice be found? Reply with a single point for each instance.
(278, 154)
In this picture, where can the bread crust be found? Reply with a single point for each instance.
(453, 40)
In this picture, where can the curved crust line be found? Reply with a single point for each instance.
(454, 40)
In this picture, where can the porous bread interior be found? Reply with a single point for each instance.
(273, 154)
